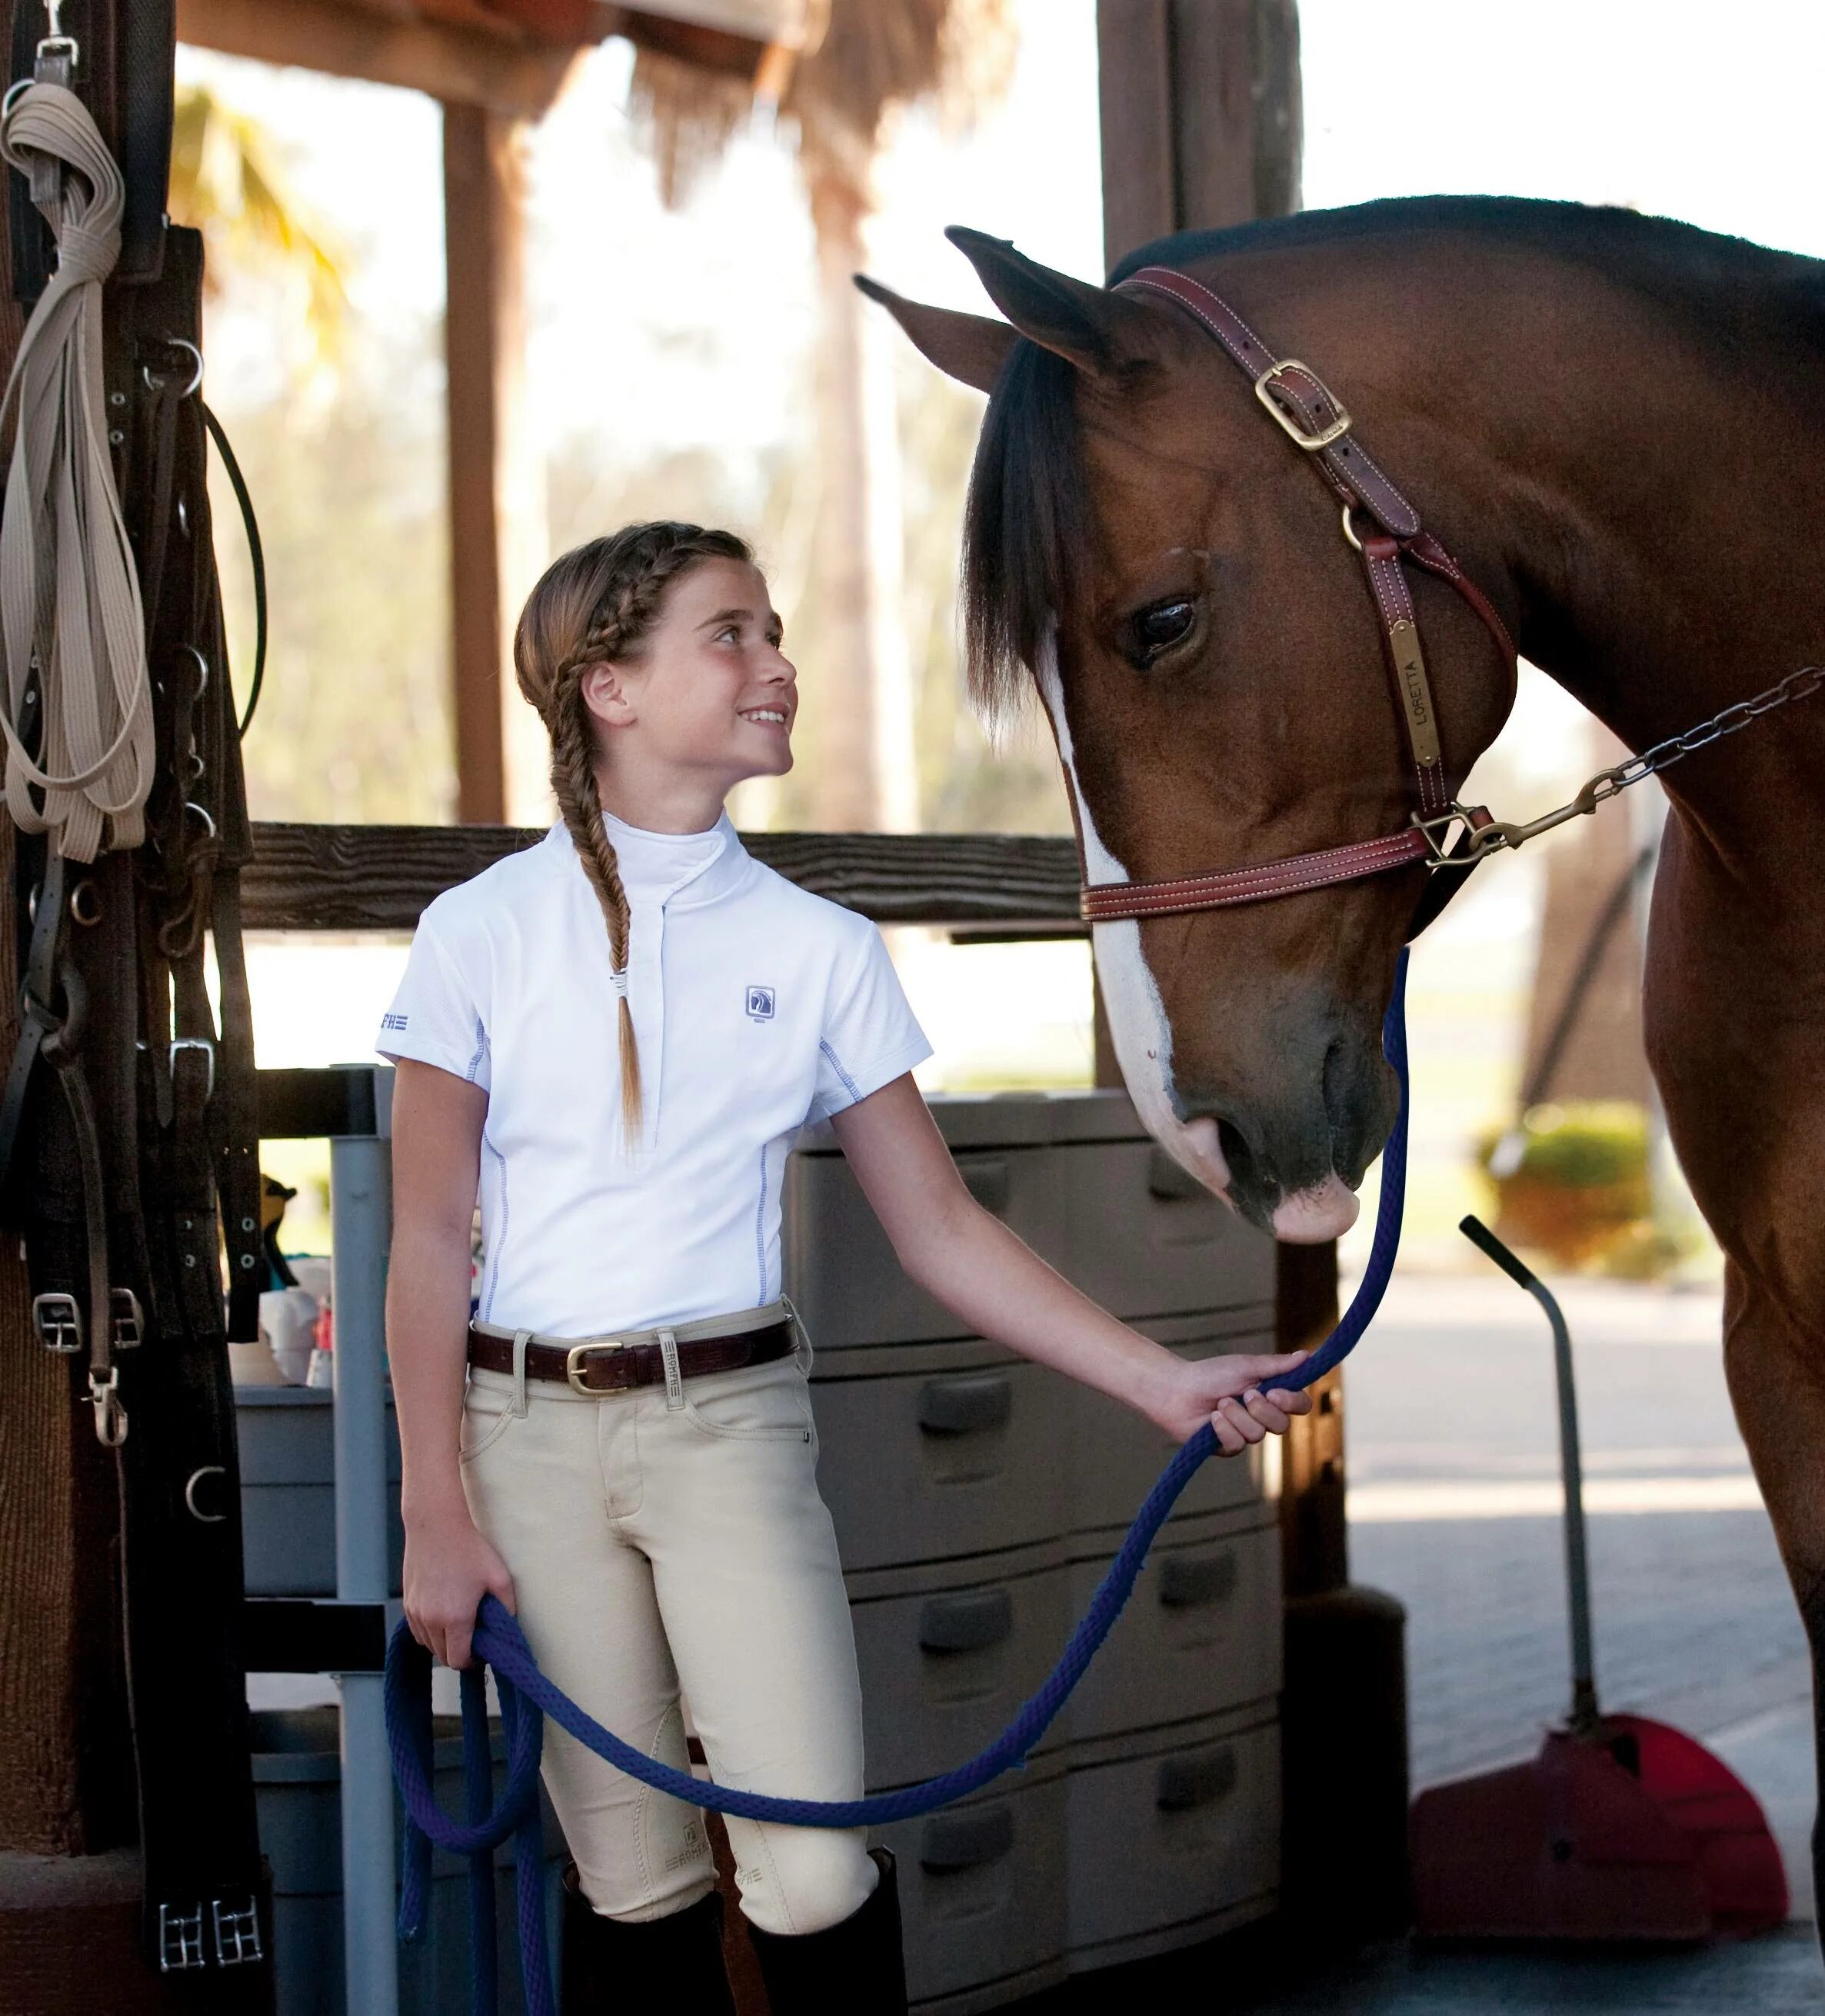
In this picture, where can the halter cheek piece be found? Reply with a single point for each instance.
(1315, 422)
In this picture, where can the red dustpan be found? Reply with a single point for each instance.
(1621, 1828)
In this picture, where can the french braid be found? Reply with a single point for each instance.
(592, 605)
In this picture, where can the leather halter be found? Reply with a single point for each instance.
(1315, 422)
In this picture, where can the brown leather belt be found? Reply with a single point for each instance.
(613, 1368)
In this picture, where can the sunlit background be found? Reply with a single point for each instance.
(672, 372)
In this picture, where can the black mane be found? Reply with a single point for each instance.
(1027, 521)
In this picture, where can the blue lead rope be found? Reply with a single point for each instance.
(527, 1697)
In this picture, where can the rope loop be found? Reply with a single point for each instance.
(69, 588)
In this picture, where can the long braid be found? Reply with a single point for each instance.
(592, 605)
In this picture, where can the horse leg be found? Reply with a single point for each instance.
(1775, 1369)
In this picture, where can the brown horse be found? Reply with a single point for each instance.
(1616, 424)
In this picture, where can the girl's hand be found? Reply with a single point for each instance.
(449, 1567)
(1227, 1393)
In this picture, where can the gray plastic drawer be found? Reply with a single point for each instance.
(1175, 1838)
(1201, 1633)
(948, 1654)
(982, 1888)
(915, 1467)
(1117, 1455)
(840, 1270)
(286, 1437)
(1145, 1238)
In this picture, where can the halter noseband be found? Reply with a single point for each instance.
(1316, 422)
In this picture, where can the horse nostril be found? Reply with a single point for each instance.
(1237, 1157)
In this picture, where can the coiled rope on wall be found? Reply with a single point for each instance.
(71, 623)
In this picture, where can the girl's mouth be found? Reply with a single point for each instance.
(769, 716)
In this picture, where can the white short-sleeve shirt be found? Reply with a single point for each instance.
(758, 1008)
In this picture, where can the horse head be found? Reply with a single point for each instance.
(1144, 546)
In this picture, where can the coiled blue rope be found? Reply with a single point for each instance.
(527, 1697)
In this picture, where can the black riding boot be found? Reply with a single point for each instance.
(853, 1968)
(674, 1962)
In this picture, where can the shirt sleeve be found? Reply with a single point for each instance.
(871, 1034)
(437, 1014)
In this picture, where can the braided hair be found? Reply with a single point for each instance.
(593, 605)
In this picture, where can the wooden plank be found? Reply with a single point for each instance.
(379, 878)
(505, 74)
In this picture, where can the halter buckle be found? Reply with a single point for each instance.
(1481, 834)
(1295, 433)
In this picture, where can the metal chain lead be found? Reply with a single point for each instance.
(1483, 835)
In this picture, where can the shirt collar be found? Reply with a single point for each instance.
(659, 867)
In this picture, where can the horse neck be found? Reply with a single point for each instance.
(1657, 487)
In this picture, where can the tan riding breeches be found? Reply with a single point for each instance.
(658, 1539)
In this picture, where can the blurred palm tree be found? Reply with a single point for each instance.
(873, 58)
(227, 180)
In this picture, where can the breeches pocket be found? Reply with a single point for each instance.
(760, 1403)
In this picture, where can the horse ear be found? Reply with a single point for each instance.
(1095, 330)
(970, 348)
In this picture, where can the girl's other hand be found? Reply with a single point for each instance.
(449, 1567)
(1228, 1392)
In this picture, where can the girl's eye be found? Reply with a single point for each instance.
(1151, 632)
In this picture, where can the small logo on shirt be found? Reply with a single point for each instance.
(760, 1003)
(392, 1021)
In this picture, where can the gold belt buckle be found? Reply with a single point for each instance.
(573, 1360)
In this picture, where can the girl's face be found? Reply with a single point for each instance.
(708, 691)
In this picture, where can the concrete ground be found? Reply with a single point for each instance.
(1454, 1507)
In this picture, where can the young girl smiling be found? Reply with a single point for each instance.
(616, 1034)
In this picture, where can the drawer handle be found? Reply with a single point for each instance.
(967, 1621)
(986, 1181)
(966, 1840)
(1166, 1179)
(1186, 1782)
(963, 1406)
(1188, 1580)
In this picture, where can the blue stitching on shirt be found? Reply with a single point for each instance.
(492, 1274)
(855, 1090)
(759, 1224)
(481, 1046)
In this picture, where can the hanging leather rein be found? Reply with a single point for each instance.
(1315, 422)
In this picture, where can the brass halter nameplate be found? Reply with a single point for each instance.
(1415, 692)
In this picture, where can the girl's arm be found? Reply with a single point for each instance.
(990, 1278)
(437, 1151)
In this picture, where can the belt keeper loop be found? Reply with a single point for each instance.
(674, 1379)
(801, 1350)
(518, 1403)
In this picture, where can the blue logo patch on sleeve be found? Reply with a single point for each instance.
(760, 1003)
(393, 1021)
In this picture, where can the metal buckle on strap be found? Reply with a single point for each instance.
(180, 1939)
(57, 1318)
(574, 1357)
(129, 1319)
(237, 1932)
(203, 1044)
(1295, 433)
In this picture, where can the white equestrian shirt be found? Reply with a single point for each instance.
(759, 1009)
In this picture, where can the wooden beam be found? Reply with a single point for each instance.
(496, 482)
(379, 878)
(1200, 103)
(508, 75)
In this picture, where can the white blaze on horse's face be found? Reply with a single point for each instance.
(1136, 1017)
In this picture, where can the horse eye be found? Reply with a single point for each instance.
(1149, 633)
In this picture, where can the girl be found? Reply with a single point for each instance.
(629, 1464)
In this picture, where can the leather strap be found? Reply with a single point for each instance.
(1103, 903)
(614, 1368)
(1311, 416)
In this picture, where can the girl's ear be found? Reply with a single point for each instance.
(605, 694)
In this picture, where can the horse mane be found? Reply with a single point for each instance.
(1027, 517)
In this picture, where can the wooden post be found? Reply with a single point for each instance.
(497, 516)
